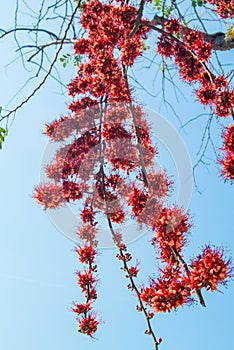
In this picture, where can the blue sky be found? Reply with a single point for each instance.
(37, 263)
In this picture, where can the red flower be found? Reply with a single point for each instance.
(221, 82)
(86, 254)
(50, 196)
(71, 191)
(137, 200)
(54, 171)
(171, 227)
(166, 46)
(210, 269)
(134, 270)
(88, 325)
(88, 216)
(115, 131)
(228, 166)
(225, 8)
(85, 280)
(167, 293)
(206, 94)
(87, 233)
(225, 103)
(82, 308)
(229, 139)
(81, 46)
(159, 184)
(204, 51)
(193, 39)
(118, 217)
(172, 26)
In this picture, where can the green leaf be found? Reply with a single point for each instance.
(144, 46)
(3, 134)
(158, 5)
(196, 3)
(167, 11)
(77, 60)
(65, 59)
(200, 2)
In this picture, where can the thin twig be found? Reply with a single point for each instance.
(50, 68)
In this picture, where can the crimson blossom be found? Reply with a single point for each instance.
(106, 161)
(227, 160)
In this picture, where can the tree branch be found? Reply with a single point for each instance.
(42, 47)
(138, 19)
(23, 29)
(50, 68)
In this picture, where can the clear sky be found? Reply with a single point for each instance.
(37, 262)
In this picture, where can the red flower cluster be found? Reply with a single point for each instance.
(114, 131)
(86, 254)
(137, 200)
(191, 55)
(88, 233)
(225, 8)
(88, 325)
(107, 142)
(86, 281)
(86, 318)
(147, 204)
(88, 216)
(60, 129)
(134, 270)
(172, 26)
(118, 217)
(228, 161)
(209, 269)
(175, 288)
(50, 196)
(159, 184)
(167, 293)
(171, 228)
(71, 191)
(102, 75)
(229, 139)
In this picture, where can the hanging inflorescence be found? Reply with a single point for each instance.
(106, 161)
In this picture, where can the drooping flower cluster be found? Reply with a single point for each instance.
(227, 162)
(191, 54)
(106, 160)
(87, 281)
(89, 169)
(178, 281)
